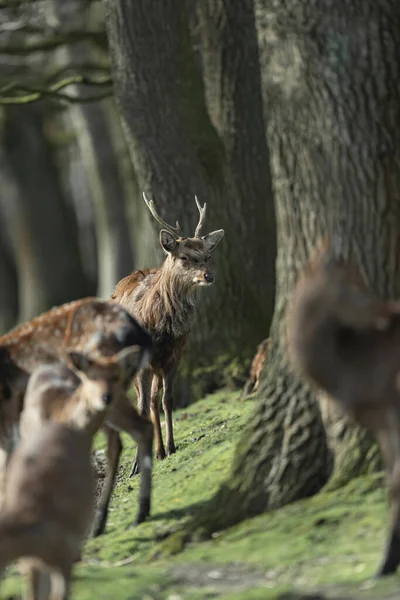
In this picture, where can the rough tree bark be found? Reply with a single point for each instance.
(177, 153)
(42, 226)
(331, 75)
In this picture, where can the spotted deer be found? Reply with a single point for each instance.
(163, 301)
(48, 505)
(345, 341)
(96, 328)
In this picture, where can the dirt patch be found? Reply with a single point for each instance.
(220, 578)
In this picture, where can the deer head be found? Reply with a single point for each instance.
(188, 258)
(102, 378)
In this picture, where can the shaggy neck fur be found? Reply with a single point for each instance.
(165, 302)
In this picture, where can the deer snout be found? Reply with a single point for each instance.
(208, 277)
(107, 397)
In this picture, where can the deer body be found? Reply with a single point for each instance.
(91, 326)
(346, 341)
(48, 506)
(163, 301)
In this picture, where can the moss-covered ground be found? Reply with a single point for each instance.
(324, 547)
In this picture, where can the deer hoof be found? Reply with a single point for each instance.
(388, 567)
(144, 512)
(135, 468)
(160, 455)
(171, 449)
(99, 525)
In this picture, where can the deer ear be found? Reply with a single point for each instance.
(131, 360)
(167, 241)
(81, 362)
(212, 239)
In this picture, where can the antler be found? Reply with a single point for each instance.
(202, 212)
(176, 231)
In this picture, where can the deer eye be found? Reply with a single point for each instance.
(183, 257)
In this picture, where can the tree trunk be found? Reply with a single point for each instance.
(177, 153)
(231, 73)
(330, 74)
(112, 232)
(42, 225)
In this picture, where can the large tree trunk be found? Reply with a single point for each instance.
(42, 225)
(231, 74)
(330, 74)
(177, 153)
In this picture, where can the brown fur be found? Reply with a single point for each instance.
(163, 301)
(346, 341)
(257, 365)
(90, 326)
(48, 506)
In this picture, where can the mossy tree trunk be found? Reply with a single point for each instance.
(177, 153)
(330, 82)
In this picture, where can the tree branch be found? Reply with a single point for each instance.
(34, 93)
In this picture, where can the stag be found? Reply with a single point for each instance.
(163, 302)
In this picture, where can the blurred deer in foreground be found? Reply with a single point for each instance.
(346, 340)
(98, 329)
(48, 506)
(70, 395)
(78, 396)
(163, 301)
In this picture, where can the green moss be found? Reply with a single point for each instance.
(329, 544)
(222, 373)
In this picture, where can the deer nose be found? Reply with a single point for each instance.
(107, 398)
(209, 277)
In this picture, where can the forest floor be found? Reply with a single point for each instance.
(324, 547)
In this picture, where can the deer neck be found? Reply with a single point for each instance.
(168, 305)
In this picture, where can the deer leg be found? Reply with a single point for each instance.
(114, 449)
(390, 445)
(60, 583)
(167, 401)
(143, 390)
(155, 417)
(123, 416)
(38, 584)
